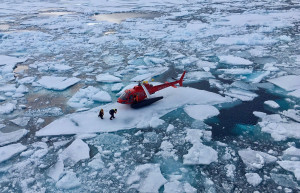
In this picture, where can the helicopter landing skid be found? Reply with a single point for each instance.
(145, 102)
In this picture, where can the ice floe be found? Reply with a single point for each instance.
(255, 159)
(107, 78)
(234, 60)
(201, 112)
(243, 95)
(57, 83)
(288, 83)
(8, 151)
(279, 128)
(146, 178)
(86, 96)
(68, 181)
(253, 178)
(71, 152)
(6, 138)
(21, 121)
(272, 104)
(7, 108)
(292, 166)
(178, 187)
(199, 153)
(88, 122)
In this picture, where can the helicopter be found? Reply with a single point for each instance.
(139, 96)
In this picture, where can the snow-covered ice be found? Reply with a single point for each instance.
(6, 138)
(253, 178)
(57, 83)
(146, 178)
(8, 151)
(88, 122)
(201, 112)
(107, 78)
(288, 83)
(234, 60)
(255, 159)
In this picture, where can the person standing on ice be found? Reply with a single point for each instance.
(112, 113)
(101, 114)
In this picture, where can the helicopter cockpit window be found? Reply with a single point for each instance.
(124, 96)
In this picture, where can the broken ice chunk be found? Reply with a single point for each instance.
(292, 166)
(234, 60)
(71, 152)
(253, 178)
(272, 104)
(21, 121)
(57, 83)
(288, 83)
(7, 108)
(6, 138)
(255, 159)
(201, 112)
(68, 181)
(146, 178)
(107, 78)
(6, 152)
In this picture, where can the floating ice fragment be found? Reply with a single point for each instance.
(253, 178)
(6, 152)
(197, 76)
(21, 121)
(117, 87)
(102, 96)
(201, 112)
(288, 83)
(68, 181)
(26, 80)
(8, 88)
(295, 93)
(113, 60)
(292, 166)
(77, 151)
(284, 180)
(230, 170)
(278, 127)
(234, 60)
(237, 71)
(57, 83)
(6, 138)
(7, 108)
(255, 159)
(170, 128)
(107, 78)
(272, 104)
(146, 178)
(199, 153)
(96, 163)
(258, 76)
(241, 94)
(178, 187)
(56, 171)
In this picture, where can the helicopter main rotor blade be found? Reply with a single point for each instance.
(146, 91)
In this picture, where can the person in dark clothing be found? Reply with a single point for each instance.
(112, 113)
(101, 114)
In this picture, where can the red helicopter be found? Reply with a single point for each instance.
(139, 95)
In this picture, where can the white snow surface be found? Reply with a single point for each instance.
(8, 151)
(57, 83)
(292, 166)
(243, 95)
(77, 151)
(86, 96)
(178, 187)
(199, 153)
(88, 122)
(68, 181)
(6, 138)
(253, 178)
(234, 60)
(272, 104)
(201, 112)
(279, 128)
(146, 178)
(255, 159)
(7, 108)
(107, 78)
(288, 83)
